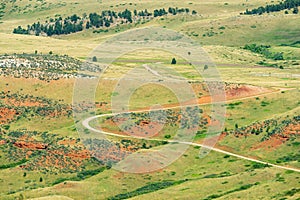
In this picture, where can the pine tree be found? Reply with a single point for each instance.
(173, 62)
(87, 26)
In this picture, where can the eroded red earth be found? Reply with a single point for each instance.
(7, 115)
(278, 139)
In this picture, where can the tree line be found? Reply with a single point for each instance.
(264, 50)
(287, 4)
(106, 18)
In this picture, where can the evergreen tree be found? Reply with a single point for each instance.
(173, 62)
(20, 30)
(58, 28)
(296, 10)
(87, 26)
(75, 23)
(287, 4)
(74, 18)
(50, 30)
(94, 59)
(236, 126)
(106, 23)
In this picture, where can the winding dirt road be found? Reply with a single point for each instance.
(86, 124)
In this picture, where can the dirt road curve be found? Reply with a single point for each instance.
(86, 122)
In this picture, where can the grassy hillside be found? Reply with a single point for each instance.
(217, 23)
(43, 156)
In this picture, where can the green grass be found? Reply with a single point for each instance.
(215, 175)
(234, 34)
(264, 107)
(187, 167)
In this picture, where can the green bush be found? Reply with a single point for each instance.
(167, 136)
(10, 165)
(264, 50)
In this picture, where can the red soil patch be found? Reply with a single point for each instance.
(2, 142)
(113, 153)
(59, 157)
(7, 115)
(278, 139)
(67, 142)
(111, 123)
(143, 129)
(72, 159)
(238, 91)
(204, 99)
(222, 136)
(235, 91)
(119, 132)
(78, 154)
(30, 145)
(274, 142)
(28, 154)
(26, 103)
(232, 91)
(102, 105)
(83, 154)
(292, 129)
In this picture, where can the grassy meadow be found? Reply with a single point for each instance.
(222, 32)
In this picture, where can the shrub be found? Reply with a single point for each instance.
(94, 59)
(173, 62)
(167, 136)
(264, 50)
